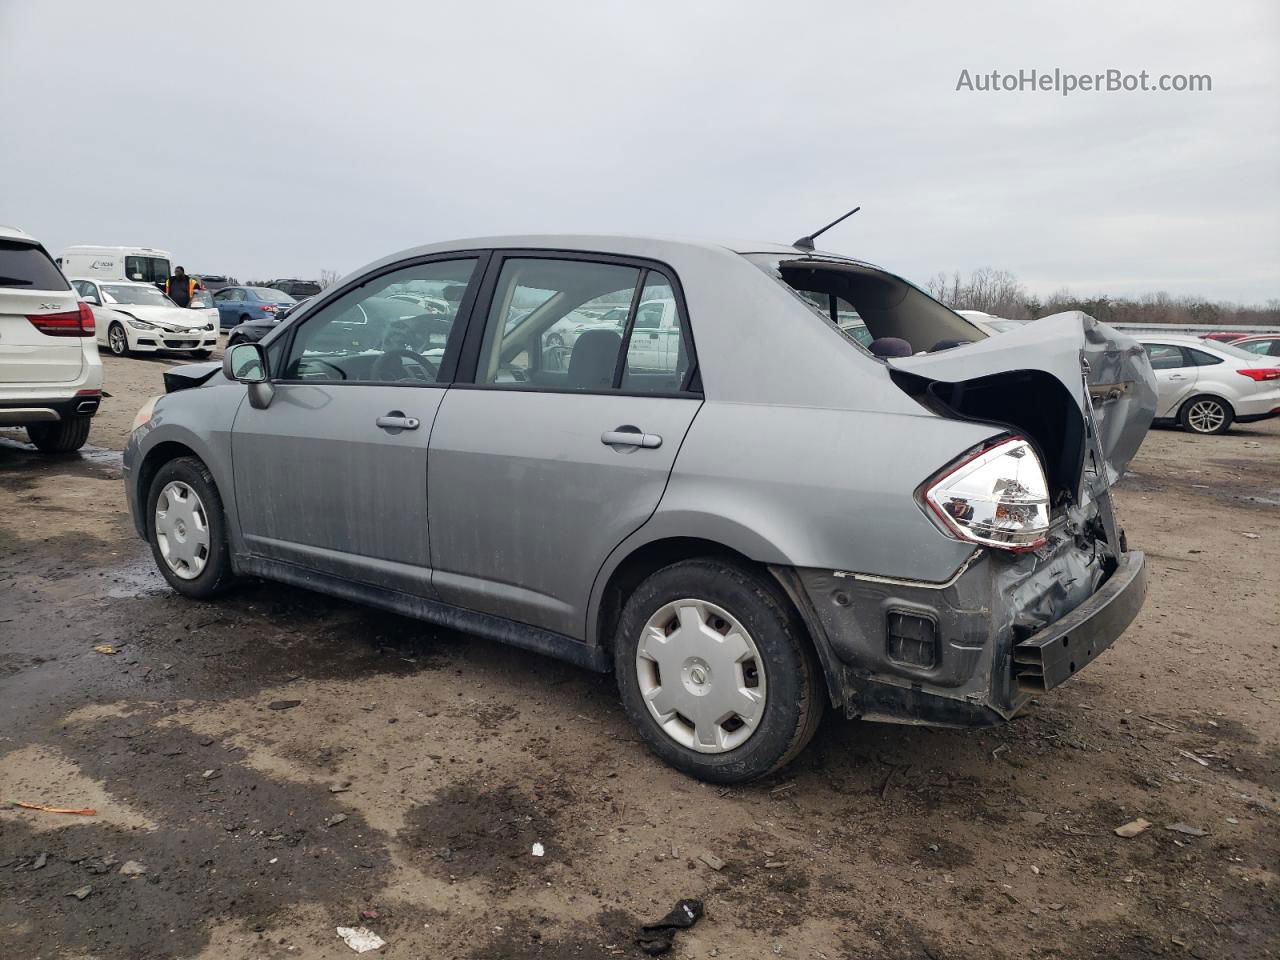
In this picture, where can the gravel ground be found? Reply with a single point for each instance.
(406, 787)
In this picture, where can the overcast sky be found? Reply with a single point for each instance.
(255, 139)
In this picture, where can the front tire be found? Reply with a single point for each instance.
(716, 671)
(118, 340)
(65, 436)
(1206, 415)
(186, 527)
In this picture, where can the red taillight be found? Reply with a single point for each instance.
(72, 323)
(268, 308)
(1260, 373)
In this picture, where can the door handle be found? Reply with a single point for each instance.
(630, 437)
(1176, 376)
(395, 420)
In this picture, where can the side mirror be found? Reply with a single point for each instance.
(245, 362)
(93, 300)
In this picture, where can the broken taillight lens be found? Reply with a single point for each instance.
(998, 497)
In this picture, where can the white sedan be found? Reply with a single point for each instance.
(1206, 386)
(137, 318)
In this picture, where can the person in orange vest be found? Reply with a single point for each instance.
(181, 288)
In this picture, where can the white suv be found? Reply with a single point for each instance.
(50, 373)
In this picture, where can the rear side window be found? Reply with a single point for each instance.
(146, 269)
(27, 265)
(657, 358)
(1198, 358)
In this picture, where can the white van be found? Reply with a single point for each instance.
(146, 264)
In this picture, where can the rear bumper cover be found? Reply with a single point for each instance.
(1054, 654)
(18, 413)
(999, 628)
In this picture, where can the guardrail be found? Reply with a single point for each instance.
(1193, 329)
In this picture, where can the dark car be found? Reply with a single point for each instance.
(298, 289)
(254, 330)
(214, 281)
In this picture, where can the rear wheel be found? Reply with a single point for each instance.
(118, 340)
(716, 671)
(186, 528)
(1206, 414)
(66, 435)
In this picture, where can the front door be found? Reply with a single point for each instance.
(332, 475)
(540, 467)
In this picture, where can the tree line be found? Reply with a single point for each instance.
(999, 293)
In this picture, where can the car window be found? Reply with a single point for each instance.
(556, 323)
(368, 336)
(147, 269)
(1198, 358)
(657, 357)
(1165, 356)
(27, 265)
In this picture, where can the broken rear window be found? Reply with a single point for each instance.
(867, 304)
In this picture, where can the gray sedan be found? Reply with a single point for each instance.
(766, 519)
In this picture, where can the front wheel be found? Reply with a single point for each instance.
(1207, 415)
(118, 340)
(65, 436)
(186, 528)
(716, 672)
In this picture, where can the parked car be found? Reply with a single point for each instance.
(238, 305)
(142, 264)
(298, 289)
(1224, 336)
(215, 281)
(744, 531)
(1205, 386)
(50, 373)
(1263, 344)
(138, 318)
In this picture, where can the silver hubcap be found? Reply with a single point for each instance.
(1205, 416)
(701, 676)
(118, 341)
(182, 530)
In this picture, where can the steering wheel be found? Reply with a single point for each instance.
(382, 369)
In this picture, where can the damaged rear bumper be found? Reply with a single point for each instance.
(1053, 655)
(973, 650)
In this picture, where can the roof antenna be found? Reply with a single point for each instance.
(806, 243)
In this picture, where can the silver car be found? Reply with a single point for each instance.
(1205, 386)
(764, 520)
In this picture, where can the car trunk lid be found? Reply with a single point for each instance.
(1082, 392)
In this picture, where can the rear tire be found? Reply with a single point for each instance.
(65, 436)
(1206, 415)
(765, 648)
(118, 340)
(188, 489)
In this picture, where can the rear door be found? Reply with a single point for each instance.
(540, 466)
(1175, 376)
(39, 342)
(332, 475)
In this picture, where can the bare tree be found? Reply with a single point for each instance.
(328, 278)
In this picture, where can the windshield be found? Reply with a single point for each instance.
(130, 293)
(867, 304)
(268, 295)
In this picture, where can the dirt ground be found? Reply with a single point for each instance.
(405, 789)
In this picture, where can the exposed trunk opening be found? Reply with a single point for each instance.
(1030, 402)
